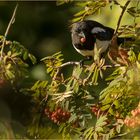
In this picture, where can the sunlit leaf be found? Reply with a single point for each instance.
(33, 59)
(105, 107)
(25, 55)
(117, 104)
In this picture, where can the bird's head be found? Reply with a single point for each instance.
(82, 38)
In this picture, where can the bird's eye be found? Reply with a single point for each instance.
(83, 39)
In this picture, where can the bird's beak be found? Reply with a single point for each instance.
(82, 35)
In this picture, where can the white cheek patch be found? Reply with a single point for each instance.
(97, 30)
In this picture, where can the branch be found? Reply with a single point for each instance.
(76, 63)
(8, 28)
(122, 13)
(69, 63)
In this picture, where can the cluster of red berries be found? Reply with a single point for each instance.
(134, 120)
(58, 116)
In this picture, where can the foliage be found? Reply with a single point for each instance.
(96, 101)
(79, 98)
(88, 8)
(92, 114)
(13, 65)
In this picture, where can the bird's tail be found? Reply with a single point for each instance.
(122, 40)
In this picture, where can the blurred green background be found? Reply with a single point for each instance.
(44, 29)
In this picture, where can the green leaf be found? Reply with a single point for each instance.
(103, 108)
(118, 128)
(95, 76)
(60, 2)
(33, 59)
(111, 111)
(117, 104)
(101, 74)
(25, 55)
(77, 19)
(101, 121)
(111, 133)
(9, 53)
(79, 13)
(5, 59)
(95, 136)
(8, 66)
(36, 85)
(9, 74)
(72, 118)
(77, 72)
(99, 129)
(106, 100)
(76, 87)
(61, 127)
(139, 57)
(89, 133)
(15, 54)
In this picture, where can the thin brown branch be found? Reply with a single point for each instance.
(122, 13)
(8, 28)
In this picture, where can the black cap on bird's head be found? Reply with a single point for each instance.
(82, 38)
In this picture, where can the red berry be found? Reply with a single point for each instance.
(83, 39)
(59, 110)
(64, 114)
(68, 114)
(95, 110)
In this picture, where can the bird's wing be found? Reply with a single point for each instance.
(101, 33)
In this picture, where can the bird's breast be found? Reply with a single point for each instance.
(84, 52)
(102, 45)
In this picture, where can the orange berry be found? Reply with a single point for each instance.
(134, 112)
(126, 121)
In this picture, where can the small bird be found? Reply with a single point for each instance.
(91, 37)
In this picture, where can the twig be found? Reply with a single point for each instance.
(69, 63)
(8, 28)
(117, 3)
(78, 63)
(122, 13)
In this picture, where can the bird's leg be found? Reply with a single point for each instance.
(87, 58)
(103, 54)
